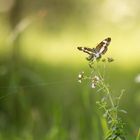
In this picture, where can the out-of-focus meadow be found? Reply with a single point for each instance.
(40, 98)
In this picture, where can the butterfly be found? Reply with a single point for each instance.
(96, 53)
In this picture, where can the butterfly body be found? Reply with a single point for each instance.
(96, 53)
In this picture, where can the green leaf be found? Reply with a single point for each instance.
(123, 111)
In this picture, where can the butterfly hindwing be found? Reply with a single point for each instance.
(86, 50)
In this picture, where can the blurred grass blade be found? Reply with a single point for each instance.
(138, 136)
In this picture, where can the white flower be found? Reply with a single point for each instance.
(137, 78)
(96, 78)
(80, 77)
(95, 81)
(93, 85)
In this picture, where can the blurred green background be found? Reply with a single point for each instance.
(40, 98)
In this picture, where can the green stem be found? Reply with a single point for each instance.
(107, 92)
(109, 95)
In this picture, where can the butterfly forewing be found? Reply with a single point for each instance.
(101, 48)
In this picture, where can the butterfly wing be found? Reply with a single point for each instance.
(86, 50)
(101, 48)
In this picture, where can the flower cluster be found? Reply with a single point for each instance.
(80, 77)
(94, 79)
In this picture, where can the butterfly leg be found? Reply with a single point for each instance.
(90, 57)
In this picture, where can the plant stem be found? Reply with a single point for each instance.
(107, 92)
(109, 95)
